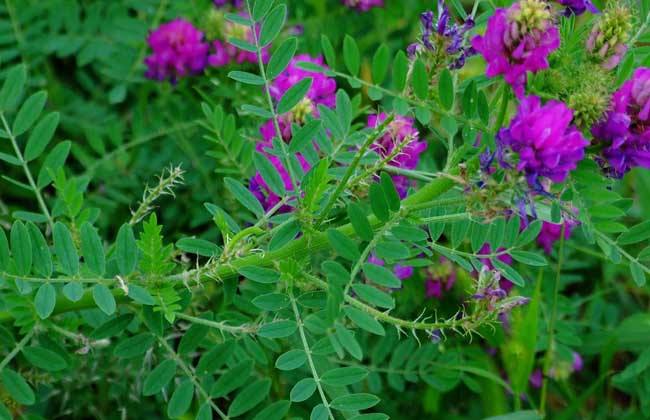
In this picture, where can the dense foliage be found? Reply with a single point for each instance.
(324, 209)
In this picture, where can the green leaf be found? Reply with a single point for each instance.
(529, 258)
(158, 378)
(269, 174)
(343, 245)
(278, 329)
(351, 55)
(41, 136)
(273, 24)
(530, 234)
(249, 397)
(54, 160)
(45, 300)
(294, 95)
(41, 257)
(446, 89)
(126, 250)
(508, 272)
(271, 301)
(380, 64)
(181, 399)
(420, 80)
(21, 248)
(304, 136)
(215, 358)
(13, 86)
(246, 78)
(344, 376)
(285, 233)
(197, 246)
(134, 346)
(5, 258)
(112, 327)
(381, 276)
(44, 359)
(29, 112)
(244, 196)
(17, 387)
(92, 249)
(364, 320)
(636, 234)
(140, 295)
(232, 379)
(276, 411)
(390, 192)
(638, 275)
(259, 274)
(400, 70)
(483, 107)
(328, 51)
(319, 412)
(104, 299)
(293, 359)
(354, 402)
(360, 222)
(65, 249)
(374, 296)
(73, 291)
(379, 203)
(347, 340)
(281, 58)
(261, 8)
(302, 390)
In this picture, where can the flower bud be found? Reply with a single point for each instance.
(607, 41)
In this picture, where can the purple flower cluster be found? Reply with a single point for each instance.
(401, 141)
(546, 143)
(363, 5)
(441, 36)
(578, 7)
(517, 40)
(551, 233)
(625, 131)
(440, 278)
(178, 50)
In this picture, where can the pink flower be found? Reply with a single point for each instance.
(551, 233)
(178, 51)
(517, 40)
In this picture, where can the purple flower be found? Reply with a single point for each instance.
(625, 131)
(552, 232)
(401, 139)
(178, 51)
(542, 136)
(402, 272)
(237, 4)
(578, 7)
(363, 5)
(517, 40)
(440, 277)
(442, 39)
(577, 364)
(536, 378)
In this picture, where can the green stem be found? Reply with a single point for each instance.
(222, 326)
(310, 360)
(21, 344)
(28, 173)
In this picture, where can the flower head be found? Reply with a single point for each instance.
(578, 7)
(178, 51)
(607, 40)
(625, 131)
(442, 40)
(551, 233)
(517, 40)
(363, 5)
(542, 136)
(400, 143)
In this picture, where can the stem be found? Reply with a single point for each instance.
(222, 326)
(305, 345)
(551, 332)
(21, 344)
(343, 183)
(269, 99)
(192, 377)
(28, 173)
